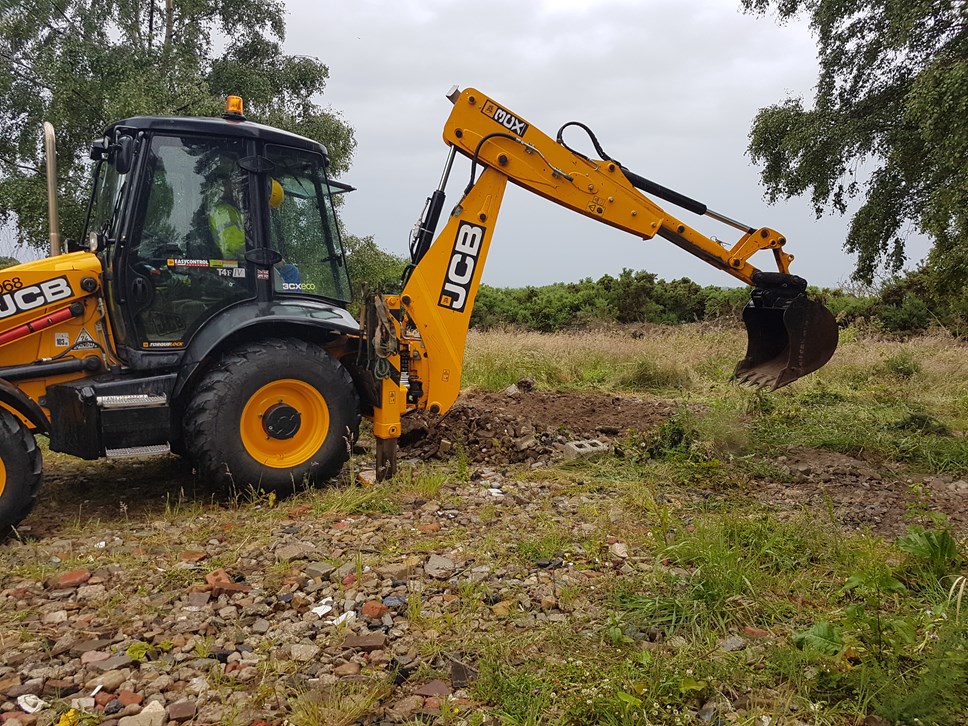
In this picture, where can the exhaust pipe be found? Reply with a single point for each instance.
(50, 151)
(789, 335)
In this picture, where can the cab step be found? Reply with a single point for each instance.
(138, 451)
(133, 400)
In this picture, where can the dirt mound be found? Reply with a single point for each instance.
(520, 425)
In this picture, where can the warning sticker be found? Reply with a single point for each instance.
(62, 340)
(84, 341)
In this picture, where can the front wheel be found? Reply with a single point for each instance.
(273, 415)
(20, 472)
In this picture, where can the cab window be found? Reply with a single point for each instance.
(302, 227)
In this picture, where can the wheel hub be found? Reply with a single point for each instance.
(281, 421)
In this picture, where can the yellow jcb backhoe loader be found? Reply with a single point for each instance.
(206, 313)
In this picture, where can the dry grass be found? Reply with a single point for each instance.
(679, 356)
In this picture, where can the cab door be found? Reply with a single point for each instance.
(185, 256)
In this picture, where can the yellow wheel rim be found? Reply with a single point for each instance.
(284, 423)
(3, 477)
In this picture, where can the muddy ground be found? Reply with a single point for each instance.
(530, 428)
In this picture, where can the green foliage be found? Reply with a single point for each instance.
(82, 64)
(903, 365)
(6, 262)
(371, 266)
(821, 637)
(934, 553)
(892, 97)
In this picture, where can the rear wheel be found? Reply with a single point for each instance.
(273, 415)
(20, 471)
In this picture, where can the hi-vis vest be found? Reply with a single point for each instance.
(228, 230)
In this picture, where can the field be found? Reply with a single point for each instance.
(728, 556)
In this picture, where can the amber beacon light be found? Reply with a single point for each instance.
(234, 107)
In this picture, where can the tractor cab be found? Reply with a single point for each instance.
(191, 216)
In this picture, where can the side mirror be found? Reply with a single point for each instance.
(124, 154)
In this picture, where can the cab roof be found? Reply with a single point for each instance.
(209, 126)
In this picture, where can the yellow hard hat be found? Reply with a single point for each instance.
(276, 194)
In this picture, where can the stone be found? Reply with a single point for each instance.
(461, 674)
(151, 715)
(83, 704)
(366, 643)
(199, 599)
(619, 550)
(112, 708)
(83, 646)
(94, 656)
(319, 570)
(91, 592)
(436, 687)
(549, 602)
(32, 687)
(303, 652)
(439, 567)
(261, 626)
(8, 682)
(294, 552)
(112, 663)
(60, 687)
(502, 609)
(429, 528)
(405, 708)
(182, 711)
(110, 681)
(350, 668)
(732, 643)
(54, 618)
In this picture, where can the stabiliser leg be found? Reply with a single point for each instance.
(386, 458)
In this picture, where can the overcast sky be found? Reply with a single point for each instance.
(670, 87)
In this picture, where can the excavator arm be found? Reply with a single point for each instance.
(415, 341)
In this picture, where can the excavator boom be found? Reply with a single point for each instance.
(790, 335)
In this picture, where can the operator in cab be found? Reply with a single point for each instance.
(225, 220)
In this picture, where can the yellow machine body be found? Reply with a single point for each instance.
(34, 292)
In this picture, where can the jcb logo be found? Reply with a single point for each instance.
(34, 296)
(504, 117)
(460, 270)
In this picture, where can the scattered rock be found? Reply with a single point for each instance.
(732, 643)
(182, 711)
(439, 567)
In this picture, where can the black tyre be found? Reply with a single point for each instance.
(272, 415)
(20, 472)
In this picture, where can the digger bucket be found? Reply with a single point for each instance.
(789, 335)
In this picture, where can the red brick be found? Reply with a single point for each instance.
(374, 609)
(74, 578)
(128, 698)
(751, 632)
(217, 577)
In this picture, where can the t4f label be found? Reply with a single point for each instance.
(460, 269)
